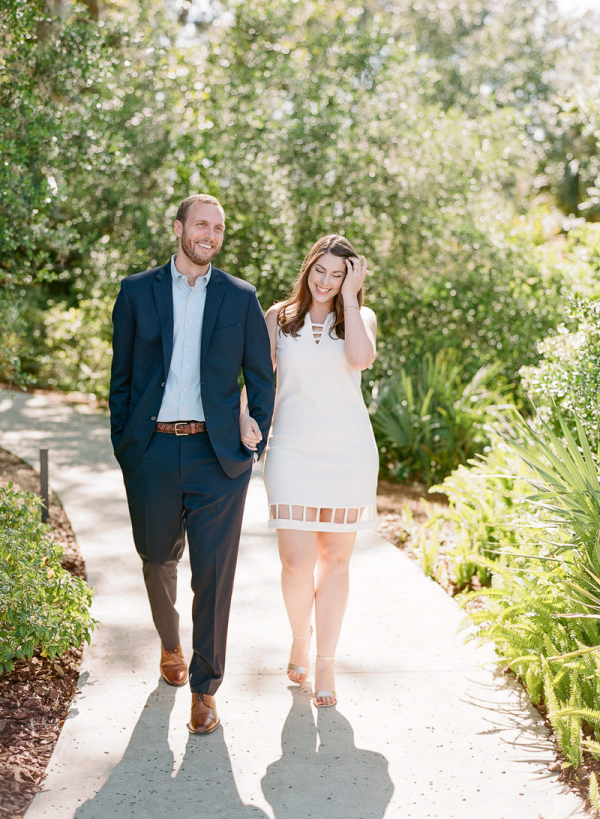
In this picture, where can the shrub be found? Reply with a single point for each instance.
(41, 604)
(544, 636)
(77, 353)
(545, 608)
(540, 549)
(487, 511)
(566, 382)
(431, 421)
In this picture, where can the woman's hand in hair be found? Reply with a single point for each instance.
(355, 278)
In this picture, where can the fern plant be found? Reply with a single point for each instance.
(526, 519)
(593, 796)
(543, 609)
(487, 517)
(526, 617)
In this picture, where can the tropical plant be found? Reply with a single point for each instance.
(566, 475)
(543, 635)
(544, 605)
(429, 422)
(525, 519)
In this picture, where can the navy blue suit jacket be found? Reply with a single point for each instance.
(234, 338)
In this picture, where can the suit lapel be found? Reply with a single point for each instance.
(163, 295)
(214, 295)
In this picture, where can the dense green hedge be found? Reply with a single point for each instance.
(42, 606)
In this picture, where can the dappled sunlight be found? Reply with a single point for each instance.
(456, 144)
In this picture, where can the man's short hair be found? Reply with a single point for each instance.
(182, 210)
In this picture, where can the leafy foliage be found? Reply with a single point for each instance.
(566, 382)
(431, 421)
(83, 131)
(418, 131)
(566, 473)
(79, 342)
(353, 138)
(41, 604)
(593, 796)
(528, 515)
(488, 515)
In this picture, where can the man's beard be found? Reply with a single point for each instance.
(190, 250)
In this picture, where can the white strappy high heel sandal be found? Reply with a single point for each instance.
(299, 669)
(323, 694)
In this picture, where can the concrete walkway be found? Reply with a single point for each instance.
(424, 726)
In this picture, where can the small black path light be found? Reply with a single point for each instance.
(44, 484)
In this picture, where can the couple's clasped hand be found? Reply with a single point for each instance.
(249, 432)
(182, 468)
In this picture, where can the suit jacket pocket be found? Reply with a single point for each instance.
(229, 328)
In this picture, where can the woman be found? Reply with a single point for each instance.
(321, 458)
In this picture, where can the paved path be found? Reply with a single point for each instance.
(424, 726)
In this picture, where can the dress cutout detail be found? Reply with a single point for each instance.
(321, 458)
(317, 330)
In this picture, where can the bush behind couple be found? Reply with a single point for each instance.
(186, 438)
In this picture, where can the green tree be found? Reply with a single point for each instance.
(418, 131)
(84, 130)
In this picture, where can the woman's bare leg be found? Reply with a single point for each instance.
(298, 553)
(334, 550)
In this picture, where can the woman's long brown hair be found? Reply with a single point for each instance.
(292, 313)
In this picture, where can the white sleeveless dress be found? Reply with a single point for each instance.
(321, 458)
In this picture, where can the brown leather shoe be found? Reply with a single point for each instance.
(173, 668)
(204, 718)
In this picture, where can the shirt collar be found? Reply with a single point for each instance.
(179, 277)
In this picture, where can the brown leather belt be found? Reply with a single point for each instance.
(181, 427)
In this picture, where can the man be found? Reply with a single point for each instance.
(182, 333)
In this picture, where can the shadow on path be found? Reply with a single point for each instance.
(321, 772)
(144, 785)
(515, 723)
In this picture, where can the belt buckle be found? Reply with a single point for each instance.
(181, 424)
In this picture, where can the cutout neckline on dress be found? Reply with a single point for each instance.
(317, 327)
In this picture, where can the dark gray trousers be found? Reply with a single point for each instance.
(179, 488)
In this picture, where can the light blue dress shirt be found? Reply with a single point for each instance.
(182, 400)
